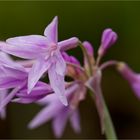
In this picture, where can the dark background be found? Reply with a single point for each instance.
(85, 20)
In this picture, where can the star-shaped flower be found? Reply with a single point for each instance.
(60, 114)
(46, 50)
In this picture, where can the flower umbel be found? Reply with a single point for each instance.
(21, 80)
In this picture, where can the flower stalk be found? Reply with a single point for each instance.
(107, 126)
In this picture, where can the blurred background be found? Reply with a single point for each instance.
(85, 20)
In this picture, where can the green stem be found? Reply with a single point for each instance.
(107, 127)
(108, 124)
(106, 121)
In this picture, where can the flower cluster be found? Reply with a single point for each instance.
(22, 80)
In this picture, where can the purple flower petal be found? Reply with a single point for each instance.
(43, 116)
(75, 121)
(74, 60)
(136, 88)
(60, 64)
(26, 100)
(26, 63)
(38, 69)
(40, 89)
(11, 95)
(132, 77)
(51, 31)
(29, 40)
(22, 50)
(48, 99)
(66, 57)
(57, 84)
(5, 58)
(9, 82)
(68, 44)
(3, 94)
(7, 71)
(52, 98)
(59, 123)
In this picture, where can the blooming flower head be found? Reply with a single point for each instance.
(109, 37)
(46, 50)
(132, 77)
(58, 113)
(19, 79)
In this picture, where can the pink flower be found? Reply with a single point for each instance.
(46, 50)
(58, 113)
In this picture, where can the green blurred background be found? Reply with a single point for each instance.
(85, 20)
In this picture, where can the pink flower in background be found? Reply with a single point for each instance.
(60, 114)
(132, 77)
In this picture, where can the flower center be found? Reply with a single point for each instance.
(51, 50)
(53, 47)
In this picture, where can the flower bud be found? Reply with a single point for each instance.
(89, 48)
(109, 37)
(90, 51)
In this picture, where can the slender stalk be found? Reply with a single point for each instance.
(105, 118)
(94, 84)
(108, 127)
(107, 64)
(108, 124)
(98, 60)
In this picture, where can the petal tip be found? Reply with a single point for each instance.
(55, 18)
(64, 100)
(31, 126)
